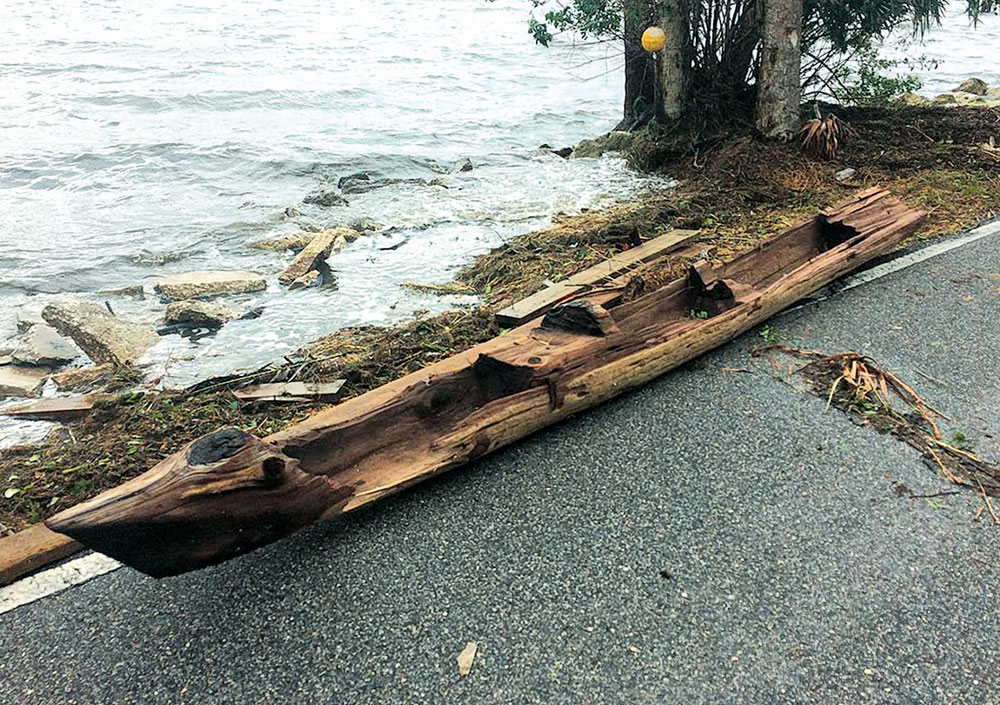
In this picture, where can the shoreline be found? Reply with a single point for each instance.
(736, 191)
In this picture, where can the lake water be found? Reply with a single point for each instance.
(143, 139)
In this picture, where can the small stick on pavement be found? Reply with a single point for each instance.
(989, 504)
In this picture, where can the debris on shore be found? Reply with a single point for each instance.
(733, 188)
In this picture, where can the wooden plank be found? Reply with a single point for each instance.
(290, 391)
(229, 492)
(57, 408)
(31, 549)
(605, 273)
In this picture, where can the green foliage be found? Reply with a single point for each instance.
(598, 19)
(870, 80)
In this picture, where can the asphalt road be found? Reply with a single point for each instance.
(716, 537)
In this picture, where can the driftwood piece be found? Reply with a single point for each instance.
(31, 549)
(291, 391)
(57, 408)
(606, 274)
(195, 508)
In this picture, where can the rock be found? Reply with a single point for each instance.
(946, 99)
(200, 313)
(845, 174)
(352, 178)
(587, 149)
(993, 93)
(306, 280)
(339, 243)
(348, 234)
(969, 98)
(462, 165)
(84, 379)
(363, 225)
(911, 98)
(42, 345)
(105, 338)
(314, 253)
(565, 152)
(325, 199)
(26, 320)
(135, 292)
(289, 241)
(21, 381)
(197, 285)
(976, 86)
(612, 142)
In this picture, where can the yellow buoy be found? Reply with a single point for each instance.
(653, 39)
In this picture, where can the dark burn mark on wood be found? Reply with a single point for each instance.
(497, 378)
(708, 294)
(584, 317)
(274, 469)
(835, 233)
(216, 446)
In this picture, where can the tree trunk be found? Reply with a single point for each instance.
(674, 62)
(640, 71)
(228, 493)
(779, 87)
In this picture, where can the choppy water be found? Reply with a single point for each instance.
(143, 139)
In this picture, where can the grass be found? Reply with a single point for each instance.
(735, 189)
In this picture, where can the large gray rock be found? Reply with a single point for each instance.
(104, 337)
(21, 381)
(973, 85)
(200, 313)
(42, 345)
(197, 285)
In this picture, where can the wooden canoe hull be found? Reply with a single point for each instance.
(228, 494)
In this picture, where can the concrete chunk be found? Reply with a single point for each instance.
(42, 345)
(105, 338)
(200, 313)
(196, 285)
(289, 241)
(21, 380)
(314, 253)
(305, 281)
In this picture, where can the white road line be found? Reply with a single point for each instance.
(49, 582)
